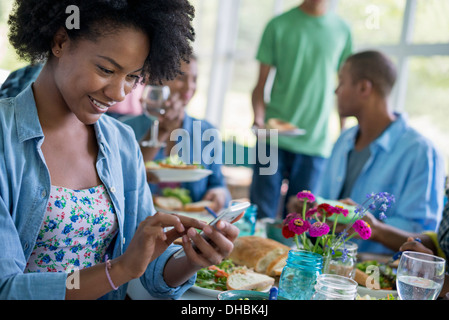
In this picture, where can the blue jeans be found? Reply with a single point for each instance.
(303, 172)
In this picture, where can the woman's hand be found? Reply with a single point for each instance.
(151, 240)
(218, 248)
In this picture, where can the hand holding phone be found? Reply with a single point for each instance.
(229, 215)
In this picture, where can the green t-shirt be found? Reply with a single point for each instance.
(307, 52)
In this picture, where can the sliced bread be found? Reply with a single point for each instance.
(168, 203)
(256, 252)
(244, 279)
(277, 265)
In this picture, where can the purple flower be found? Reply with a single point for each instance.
(318, 229)
(363, 229)
(306, 195)
(298, 226)
(341, 210)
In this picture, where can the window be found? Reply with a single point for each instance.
(414, 33)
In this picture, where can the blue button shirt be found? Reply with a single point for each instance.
(403, 163)
(25, 187)
(195, 139)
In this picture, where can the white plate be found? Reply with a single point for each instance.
(206, 292)
(211, 292)
(261, 134)
(362, 291)
(180, 175)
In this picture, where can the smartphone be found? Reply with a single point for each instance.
(228, 214)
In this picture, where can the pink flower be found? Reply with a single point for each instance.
(298, 226)
(306, 195)
(340, 209)
(311, 212)
(319, 229)
(362, 228)
(290, 216)
(327, 209)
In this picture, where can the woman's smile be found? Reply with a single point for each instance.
(101, 106)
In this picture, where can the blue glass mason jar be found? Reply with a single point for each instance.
(247, 224)
(299, 276)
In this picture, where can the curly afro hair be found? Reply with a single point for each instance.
(167, 23)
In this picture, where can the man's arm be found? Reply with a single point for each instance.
(258, 96)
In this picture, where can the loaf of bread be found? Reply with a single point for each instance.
(244, 279)
(362, 278)
(257, 252)
(277, 265)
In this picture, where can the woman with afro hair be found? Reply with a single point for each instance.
(76, 214)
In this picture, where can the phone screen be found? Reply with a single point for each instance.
(228, 214)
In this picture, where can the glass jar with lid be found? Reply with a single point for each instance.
(334, 287)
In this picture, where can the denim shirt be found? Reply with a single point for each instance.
(403, 163)
(24, 191)
(197, 131)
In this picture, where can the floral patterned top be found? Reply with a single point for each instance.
(77, 229)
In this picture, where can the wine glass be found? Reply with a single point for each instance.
(153, 99)
(420, 276)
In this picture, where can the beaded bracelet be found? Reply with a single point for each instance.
(107, 268)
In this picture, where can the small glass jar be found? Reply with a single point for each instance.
(247, 224)
(343, 264)
(299, 276)
(334, 287)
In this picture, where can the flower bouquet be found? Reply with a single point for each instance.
(311, 223)
(312, 258)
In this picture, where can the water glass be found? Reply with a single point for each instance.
(153, 98)
(420, 276)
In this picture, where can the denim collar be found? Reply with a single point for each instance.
(27, 120)
(29, 127)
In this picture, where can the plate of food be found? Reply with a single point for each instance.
(376, 280)
(173, 169)
(213, 280)
(283, 128)
(178, 200)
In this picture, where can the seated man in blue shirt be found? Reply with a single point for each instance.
(382, 153)
(193, 141)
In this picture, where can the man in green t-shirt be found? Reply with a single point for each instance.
(306, 46)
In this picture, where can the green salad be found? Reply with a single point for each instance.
(180, 193)
(215, 276)
(175, 161)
